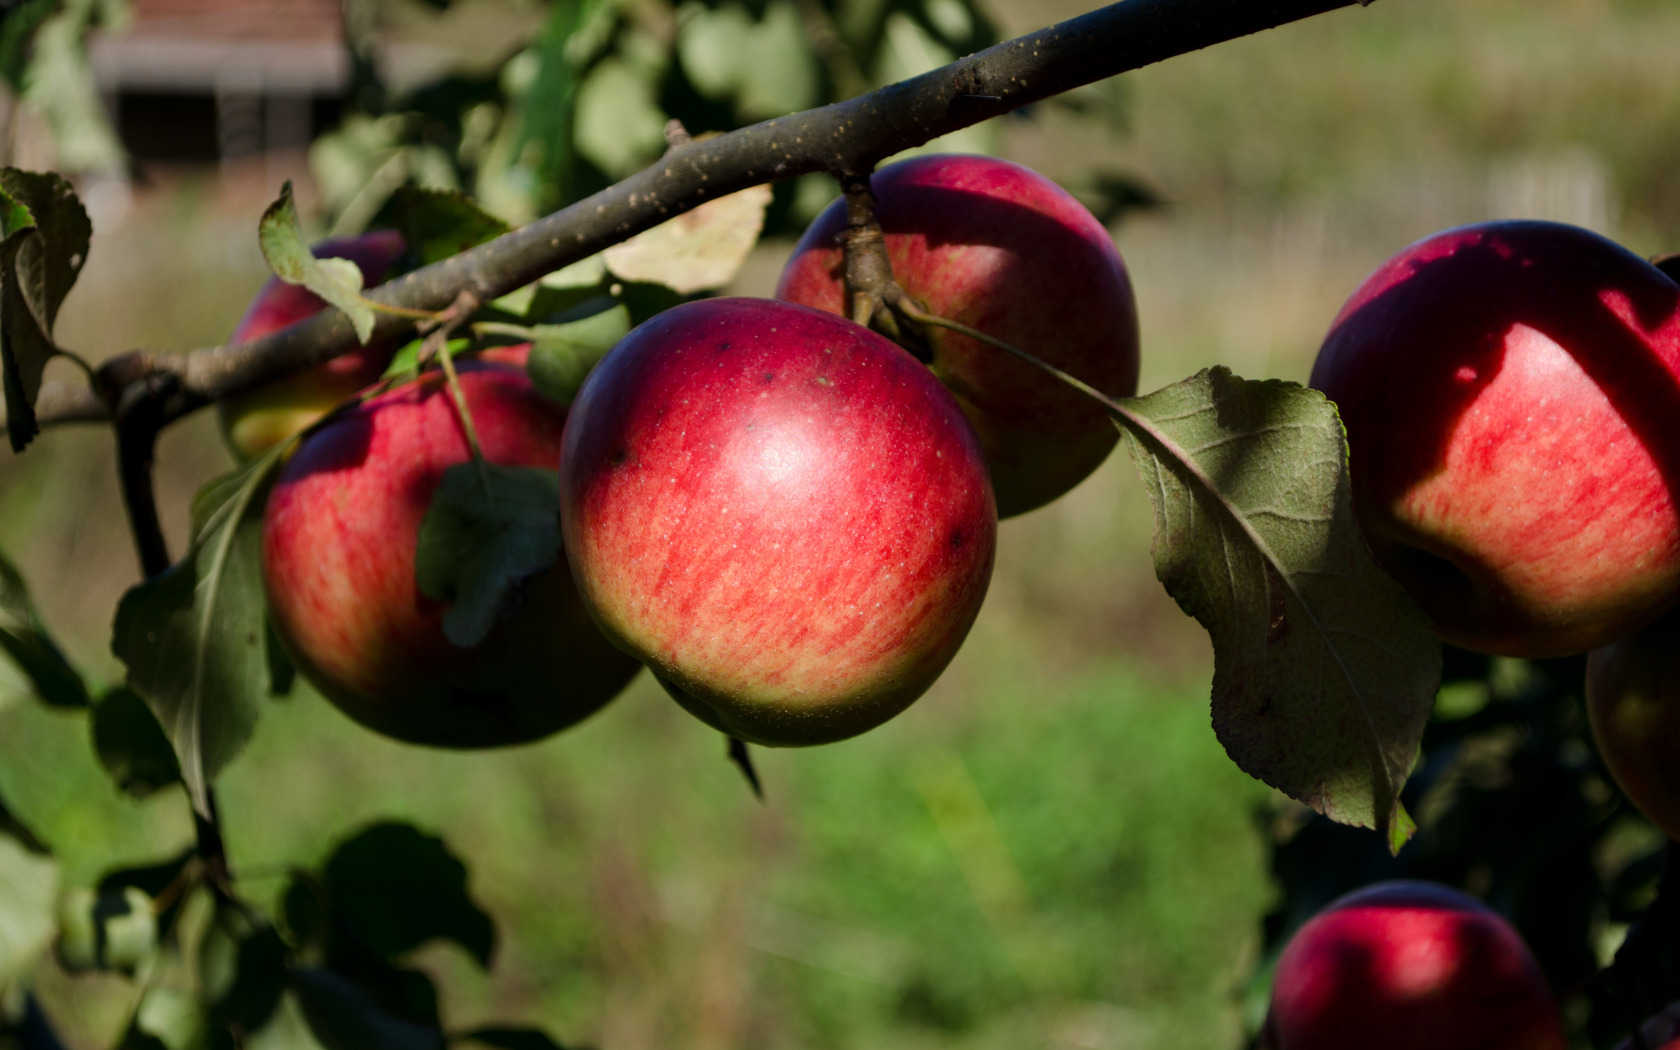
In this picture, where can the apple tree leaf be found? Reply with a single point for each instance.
(28, 888)
(344, 1016)
(1324, 671)
(393, 888)
(337, 281)
(195, 637)
(26, 643)
(242, 968)
(131, 745)
(699, 249)
(562, 355)
(488, 528)
(437, 224)
(106, 929)
(44, 235)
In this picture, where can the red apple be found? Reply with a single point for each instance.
(1633, 705)
(1510, 392)
(1410, 966)
(1003, 250)
(255, 422)
(339, 540)
(780, 512)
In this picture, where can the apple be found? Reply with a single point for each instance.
(1510, 391)
(338, 549)
(780, 512)
(1633, 706)
(1003, 250)
(1410, 966)
(255, 422)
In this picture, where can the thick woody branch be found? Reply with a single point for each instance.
(845, 139)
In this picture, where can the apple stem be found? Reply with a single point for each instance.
(870, 287)
(437, 345)
(917, 314)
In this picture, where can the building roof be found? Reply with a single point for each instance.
(218, 45)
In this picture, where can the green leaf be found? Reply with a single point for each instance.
(108, 929)
(406, 361)
(27, 643)
(620, 126)
(489, 527)
(397, 888)
(440, 223)
(28, 887)
(242, 969)
(345, 1017)
(194, 638)
(173, 1018)
(131, 745)
(562, 355)
(59, 86)
(338, 281)
(1324, 671)
(16, 29)
(44, 235)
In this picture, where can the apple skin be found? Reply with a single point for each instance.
(1633, 706)
(1410, 966)
(255, 422)
(780, 512)
(339, 537)
(1001, 249)
(1510, 391)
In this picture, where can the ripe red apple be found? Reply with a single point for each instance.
(255, 422)
(339, 540)
(1410, 966)
(1633, 705)
(1510, 392)
(778, 511)
(1001, 249)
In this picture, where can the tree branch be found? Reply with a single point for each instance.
(846, 139)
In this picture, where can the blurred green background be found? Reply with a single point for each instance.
(1050, 849)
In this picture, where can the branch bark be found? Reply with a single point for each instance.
(846, 139)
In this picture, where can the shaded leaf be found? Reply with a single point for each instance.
(156, 881)
(282, 673)
(44, 235)
(172, 1017)
(488, 528)
(28, 887)
(562, 355)
(440, 223)
(195, 637)
(396, 888)
(29, 646)
(1324, 671)
(344, 1017)
(338, 281)
(699, 249)
(131, 745)
(106, 929)
(242, 970)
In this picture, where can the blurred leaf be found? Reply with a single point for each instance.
(195, 637)
(173, 1018)
(44, 236)
(157, 881)
(489, 527)
(700, 249)
(242, 970)
(131, 745)
(24, 640)
(59, 84)
(344, 1017)
(510, 1039)
(1112, 196)
(765, 67)
(17, 27)
(28, 887)
(620, 126)
(338, 281)
(107, 929)
(282, 673)
(548, 108)
(397, 888)
(439, 223)
(562, 355)
(1324, 672)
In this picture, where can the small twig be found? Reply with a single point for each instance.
(675, 134)
(139, 418)
(402, 311)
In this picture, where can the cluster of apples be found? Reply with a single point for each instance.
(1511, 392)
(790, 519)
